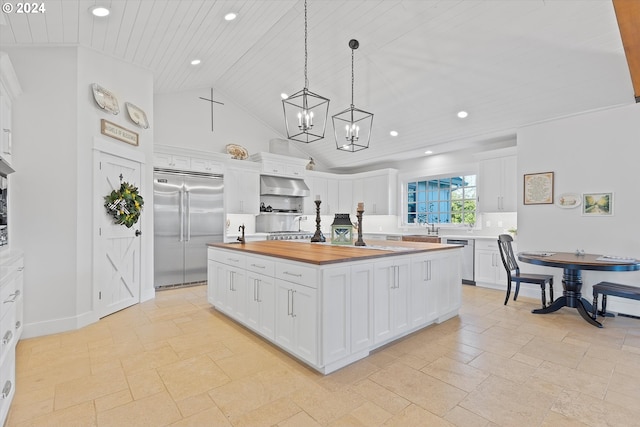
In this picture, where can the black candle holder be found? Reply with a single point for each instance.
(360, 242)
(318, 236)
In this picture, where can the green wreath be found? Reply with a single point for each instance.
(125, 205)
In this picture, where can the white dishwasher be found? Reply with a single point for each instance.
(468, 254)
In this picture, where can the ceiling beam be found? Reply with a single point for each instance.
(628, 15)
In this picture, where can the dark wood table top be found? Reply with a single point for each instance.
(573, 261)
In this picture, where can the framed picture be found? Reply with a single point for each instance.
(538, 188)
(597, 204)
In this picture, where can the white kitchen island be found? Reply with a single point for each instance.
(330, 305)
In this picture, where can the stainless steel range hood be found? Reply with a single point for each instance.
(280, 186)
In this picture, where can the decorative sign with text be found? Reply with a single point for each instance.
(118, 132)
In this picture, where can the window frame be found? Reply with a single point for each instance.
(404, 211)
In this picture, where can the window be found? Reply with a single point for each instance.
(449, 200)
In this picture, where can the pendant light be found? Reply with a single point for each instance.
(305, 113)
(352, 127)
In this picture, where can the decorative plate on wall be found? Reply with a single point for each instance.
(237, 152)
(105, 99)
(137, 115)
(569, 200)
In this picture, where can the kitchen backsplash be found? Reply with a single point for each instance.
(489, 224)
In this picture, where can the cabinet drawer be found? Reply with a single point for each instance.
(7, 329)
(491, 245)
(7, 383)
(234, 259)
(297, 273)
(261, 266)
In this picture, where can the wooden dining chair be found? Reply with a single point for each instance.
(514, 275)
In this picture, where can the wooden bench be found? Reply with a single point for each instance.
(613, 289)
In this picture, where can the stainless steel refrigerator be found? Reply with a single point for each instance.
(187, 213)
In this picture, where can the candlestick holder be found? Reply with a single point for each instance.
(318, 236)
(360, 242)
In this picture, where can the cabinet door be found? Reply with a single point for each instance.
(422, 282)
(509, 188)
(346, 202)
(376, 195)
(261, 304)
(391, 299)
(304, 309)
(238, 295)
(284, 320)
(485, 265)
(449, 283)
(242, 191)
(361, 304)
(5, 128)
(217, 285)
(336, 313)
(171, 161)
(296, 319)
(205, 165)
(497, 185)
(333, 197)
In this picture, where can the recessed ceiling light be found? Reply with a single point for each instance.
(195, 62)
(230, 16)
(284, 95)
(428, 152)
(462, 114)
(393, 133)
(99, 11)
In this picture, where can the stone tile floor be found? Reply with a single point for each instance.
(176, 361)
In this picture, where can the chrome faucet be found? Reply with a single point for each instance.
(241, 238)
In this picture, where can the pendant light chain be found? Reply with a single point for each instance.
(352, 78)
(306, 80)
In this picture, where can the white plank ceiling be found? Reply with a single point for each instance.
(508, 63)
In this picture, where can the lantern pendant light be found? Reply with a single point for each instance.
(352, 127)
(305, 112)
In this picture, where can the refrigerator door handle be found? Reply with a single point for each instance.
(181, 215)
(187, 216)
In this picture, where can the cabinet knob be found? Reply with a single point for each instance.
(6, 390)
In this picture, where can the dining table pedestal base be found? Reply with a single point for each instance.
(571, 297)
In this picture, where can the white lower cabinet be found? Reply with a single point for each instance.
(228, 286)
(489, 269)
(347, 295)
(424, 290)
(296, 319)
(391, 292)
(11, 291)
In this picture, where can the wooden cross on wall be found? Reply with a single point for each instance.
(212, 102)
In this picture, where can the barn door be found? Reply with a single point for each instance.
(117, 248)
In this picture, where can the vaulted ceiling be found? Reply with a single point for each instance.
(508, 63)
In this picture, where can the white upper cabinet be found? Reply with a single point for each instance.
(9, 91)
(242, 188)
(497, 185)
(171, 161)
(276, 164)
(378, 191)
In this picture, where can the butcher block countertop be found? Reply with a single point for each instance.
(325, 253)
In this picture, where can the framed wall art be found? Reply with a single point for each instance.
(597, 204)
(118, 132)
(538, 188)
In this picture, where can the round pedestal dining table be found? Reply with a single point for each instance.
(572, 265)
